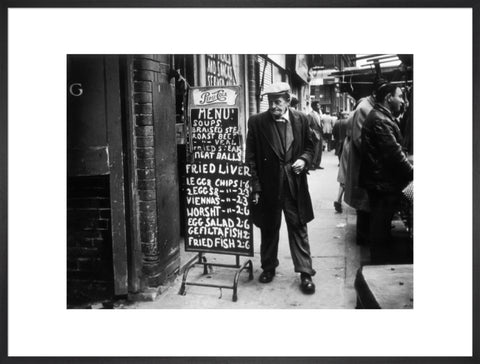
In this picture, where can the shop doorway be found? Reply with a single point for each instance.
(96, 224)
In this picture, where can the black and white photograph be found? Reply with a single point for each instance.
(240, 181)
(234, 183)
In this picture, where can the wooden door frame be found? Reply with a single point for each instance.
(115, 161)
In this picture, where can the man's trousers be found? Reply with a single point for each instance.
(317, 156)
(363, 227)
(382, 208)
(297, 237)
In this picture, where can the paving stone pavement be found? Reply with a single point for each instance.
(335, 255)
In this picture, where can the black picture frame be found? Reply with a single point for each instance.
(6, 5)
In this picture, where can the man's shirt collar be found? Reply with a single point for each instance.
(384, 110)
(284, 118)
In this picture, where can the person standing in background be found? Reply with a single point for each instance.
(339, 132)
(342, 148)
(355, 196)
(315, 122)
(385, 170)
(327, 126)
(294, 102)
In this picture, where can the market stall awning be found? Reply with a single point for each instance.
(358, 81)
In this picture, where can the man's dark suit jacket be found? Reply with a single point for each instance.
(265, 157)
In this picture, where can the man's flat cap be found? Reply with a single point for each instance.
(278, 88)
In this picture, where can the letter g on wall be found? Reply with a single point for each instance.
(75, 89)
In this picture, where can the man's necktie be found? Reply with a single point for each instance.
(288, 132)
(288, 135)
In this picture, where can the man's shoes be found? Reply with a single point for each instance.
(266, 276)
(307, 286)
(338, 206)
(320, 167)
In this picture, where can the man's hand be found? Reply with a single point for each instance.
(255, 198)
(298, 166)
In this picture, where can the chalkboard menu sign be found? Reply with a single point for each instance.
(217, 180)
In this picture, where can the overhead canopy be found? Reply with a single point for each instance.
(358, 81)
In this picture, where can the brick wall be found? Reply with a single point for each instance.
(89, 239)
(252, 85)
(146, 70)
(143, 75)
(150, 70)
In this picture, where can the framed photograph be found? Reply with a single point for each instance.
(144, 151)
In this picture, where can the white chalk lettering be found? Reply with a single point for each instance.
(203, 211)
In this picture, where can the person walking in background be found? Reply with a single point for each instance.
(385, 170)
(334, 118)
(339, 132)
(327, 126)
(315, 122)
(340, 135)
(279, 150)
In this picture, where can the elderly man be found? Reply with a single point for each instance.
(385, 169)
(279, 151)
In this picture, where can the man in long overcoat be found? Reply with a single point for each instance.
(356, 196)
(279, 152)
